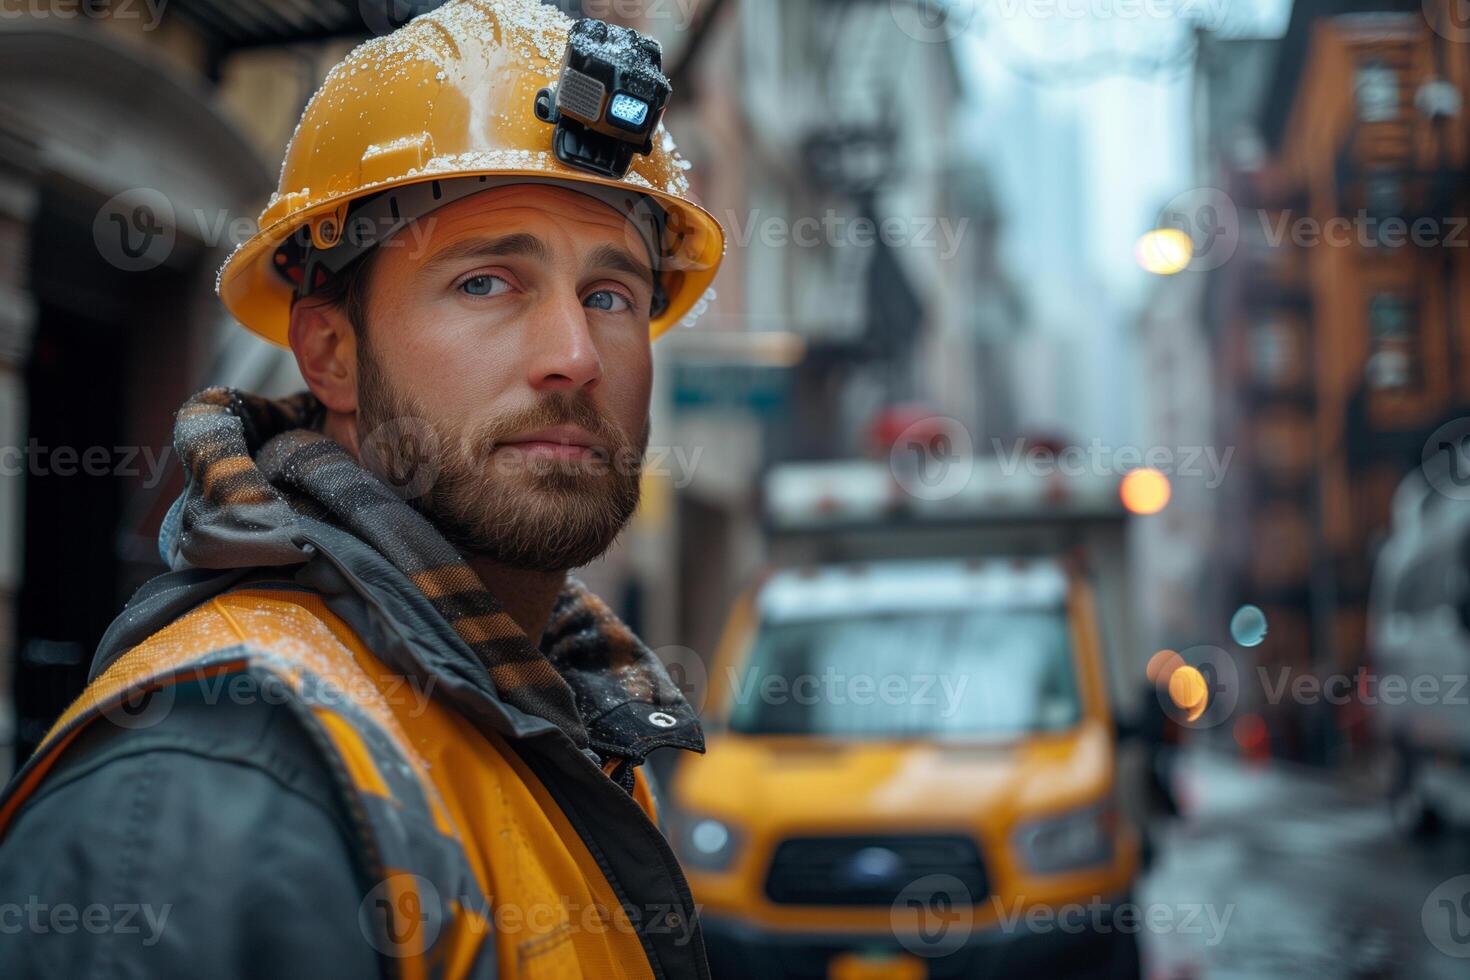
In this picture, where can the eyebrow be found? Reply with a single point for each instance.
(520, 243)
(619, 260)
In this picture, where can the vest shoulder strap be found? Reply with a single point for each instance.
(426, 913)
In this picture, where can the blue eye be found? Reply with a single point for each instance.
(483, 285)
(607, 299)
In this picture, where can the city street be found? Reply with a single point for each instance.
(1313, 878)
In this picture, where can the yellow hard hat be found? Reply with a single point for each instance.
(452, 95)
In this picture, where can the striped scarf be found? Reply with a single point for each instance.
(258, 462)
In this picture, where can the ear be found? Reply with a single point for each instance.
(325, 346)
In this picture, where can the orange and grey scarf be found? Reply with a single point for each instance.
(254, 463)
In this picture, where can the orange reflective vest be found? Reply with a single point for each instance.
(478, 869)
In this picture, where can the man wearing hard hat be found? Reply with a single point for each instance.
(328, 742)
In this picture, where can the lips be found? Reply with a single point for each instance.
(558, 441)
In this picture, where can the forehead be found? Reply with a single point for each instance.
(558, 215)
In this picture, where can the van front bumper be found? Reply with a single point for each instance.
(739, 950)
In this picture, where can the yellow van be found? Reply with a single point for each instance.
(911, 773)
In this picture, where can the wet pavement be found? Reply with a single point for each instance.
(1290, 874)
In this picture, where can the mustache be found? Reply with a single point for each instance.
(555, 409)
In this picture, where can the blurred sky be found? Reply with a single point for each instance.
(1081, 111)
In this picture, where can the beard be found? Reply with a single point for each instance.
(522, 510)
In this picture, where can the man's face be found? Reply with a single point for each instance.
(506, 347)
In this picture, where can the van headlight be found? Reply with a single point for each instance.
(706, 843)
(1076, 839)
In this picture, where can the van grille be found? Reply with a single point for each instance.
(868, 870)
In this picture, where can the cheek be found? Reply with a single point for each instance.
(627, 384)
(443, 364)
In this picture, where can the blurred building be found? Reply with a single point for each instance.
(1338, 328)
(137, 145)
(862, 269)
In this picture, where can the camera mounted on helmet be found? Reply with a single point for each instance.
(609, 99)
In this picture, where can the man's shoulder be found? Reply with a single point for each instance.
(211, 731)
(217, 822)
(257, 616)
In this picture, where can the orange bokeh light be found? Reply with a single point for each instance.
(1145, 491)
(1189, 692)
(1162, 665)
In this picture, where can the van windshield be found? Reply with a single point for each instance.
(964, 672)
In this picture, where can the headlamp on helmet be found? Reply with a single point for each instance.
(609, 99)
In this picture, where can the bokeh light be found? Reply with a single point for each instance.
(1162, 665)
(1248, 626)
(1164, 251)
(1188, 690)
(1145, 491)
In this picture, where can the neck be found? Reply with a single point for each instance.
(528, 597)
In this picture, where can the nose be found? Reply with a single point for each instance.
(565, 358)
